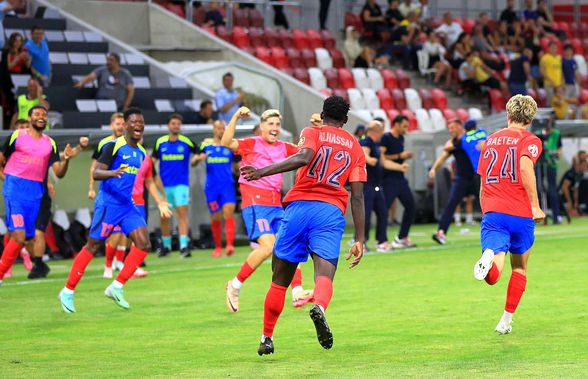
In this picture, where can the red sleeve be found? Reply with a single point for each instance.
(358, 172)
(291, 149)
(308, 139)
(246, 146)
(149, 163)
(532, 148)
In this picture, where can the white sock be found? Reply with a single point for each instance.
(117, 284)
(264, 337)
(469, 217)
(121, 248)
(506, 317)
(457, 218)
(321, 307)
(67, 291)
(236, 283)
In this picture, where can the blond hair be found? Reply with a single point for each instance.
(115, 116)
(521, 109)
(270, 113)
(375, 125)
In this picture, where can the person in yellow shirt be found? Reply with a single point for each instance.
(550, 67)
(484, 75)
(561, 106)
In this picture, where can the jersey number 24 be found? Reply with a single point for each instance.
(508, 166)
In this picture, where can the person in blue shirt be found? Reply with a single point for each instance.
(219, 188)
(227, 99)
(173, 153)
(117, 169)
(472, 141)
(39, 52)
(569, 66)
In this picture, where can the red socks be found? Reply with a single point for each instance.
(297, 279)
(516, 287)
(110, 253)
(133, 261)
(120, 253)
(245, 272)
(230, 231)
(272, 308)
(78, 267)
(323, 291)
(216, 233)
(9, 255)
(493, 275)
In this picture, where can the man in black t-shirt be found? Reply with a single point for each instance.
(569, 189)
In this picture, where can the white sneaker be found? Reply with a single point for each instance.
(484, 264)
(118, 265)
(382, 247)
(504, 327)
(107, 273)
(402, 243)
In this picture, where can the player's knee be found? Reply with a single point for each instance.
(520, 270)
(92, 246)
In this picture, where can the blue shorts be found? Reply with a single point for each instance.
(22, 215)
(142, 211)
(217, 197)
(503, 233)
(310, 227)
(178, 196)
(262, 219)
(106, 218)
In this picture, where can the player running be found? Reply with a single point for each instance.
(116, 244)
(314, 219)
(261, 200)
(509, 202)
(219, 188)
(173, 153)
(28, 154)
(117, 168)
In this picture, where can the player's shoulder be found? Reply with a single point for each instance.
(160, 140)
(142, 148)
(17, 133)
(186, 140)
(206, 142)
(104, 141)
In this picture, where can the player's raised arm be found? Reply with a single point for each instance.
(438, 163)
(293, 162)
(530, 184)
(228, 139)
(358, 213)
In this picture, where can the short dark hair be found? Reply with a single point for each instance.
(568, 46)
(36, 27)
(131, 111)
(116, 56)
(204, 104)
(175, 116)
(22, 121)
(455, 120)
(398, 119)
(38, 106)
(227, 74)
(335, 108)
(379, 119)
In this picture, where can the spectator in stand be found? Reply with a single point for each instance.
(569, 186)
(17, 59)
(566, 107)
(479, 39)
(204, 116)
(520, 73)
(571, 74)
(227, 99)
(529, 13)
(498, 39)
(460, 50)
(509, 15)
(368, 59)
(25, 102)
(351, 45)
(403, 42)
(280, 17)
(408, 6)
(114, 82)
(467, 75)
(484, 20)
(373, 18)
(450, 30)
(393, 15)
(484, 75)
(359, 132)
(214, 16)
(39, 52)
(8, 7)
(324, 13)
(424, 12)
(436, 53)
(551, 70)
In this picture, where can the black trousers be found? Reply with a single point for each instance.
(460, 188)
(398, 188)
(374, 201)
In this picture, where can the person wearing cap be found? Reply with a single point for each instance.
(359, 132)
(261, 199)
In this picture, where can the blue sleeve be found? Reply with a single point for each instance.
(218, 99)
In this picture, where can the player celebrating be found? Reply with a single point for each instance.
(219, 188)
(314, 219)
(509, 202)
(173, 152)
(262, 200)
(117, 168)
(28, 154)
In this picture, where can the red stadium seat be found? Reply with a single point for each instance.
(341, 92)
(439, 98)
(352, 19)
(462, 114)
(332, 76)
(577, 44)
(279, 58)
(308, 58)
(302, 75)
(497, 101)
(398, 96)
(426, 98)
(262, 53)
(346, 78)
(224, 34)
(402, 78)
(468, 25)
(386, 101)
(300, 39)
(338, 59)
(209, 29)
(389, 77)
(412, 121)
(314, 39)
(255, 18)
(531, 92)
(271, 37)
(248, 50)
(449, 114)
(240, 37)
(328, 39)
(257, 37)
(584, 81)
(392, 113)
(177, 9)
(564, 27)
(294, 58)
(199, 16)
(583, 98)
(285, 37)
(240, 17)
(326, 91)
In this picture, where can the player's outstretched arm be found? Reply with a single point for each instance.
(358, 213)
(228, 139)
(530, 184)
(438, 163)
(293, 162)
(101, 172)
(394, 166)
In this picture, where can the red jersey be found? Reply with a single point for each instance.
(145, 171)
(338, 157)
(500, 172)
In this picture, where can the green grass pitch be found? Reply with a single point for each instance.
(413, 313)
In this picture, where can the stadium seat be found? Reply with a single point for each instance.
(389, 77)
(449, 114)
(583, 80)
(249, 50)
(437, 119)
(317, 79)
(294, 58)
(497, 101)
(386, 101)
(131, 59)
(475, 114)
(326, 91)
(424, 120)
(332, 76)
(581, 62)
(341, 93)
(439, 98)
(86, 105)
(98, 59)
(58, 58)
(175, 82)
(392, 113)
(240, 17)
(375, 78)
(577, 44)
(412, 121)
(542, 98)
(380, 113)
(285, 38)
(53, 36)
(224, 34)
(328, 39)
(426, 98)
(468, 25)
(271, 37)
(371, 100)
(255, 18)
(142, 82)
(279, 58)
(402, 78)
(240, 37)
(462, 114)
(356, 100)
(302, 75)
(263, 54)
(308, 58)
(300, 39)
(288, 70)
(360, 77)
(583, 98)
(257, 37)
(352, 19)
(399, 100)
(77, 58)
(338, 58)
(346, 78)
(73, 36)
(323, 59)
(314, 39)
(364, 114)
(413, 100)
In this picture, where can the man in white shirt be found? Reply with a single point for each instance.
(449, 29)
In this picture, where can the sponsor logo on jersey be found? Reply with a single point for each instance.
(172, 157)
(534, 150)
